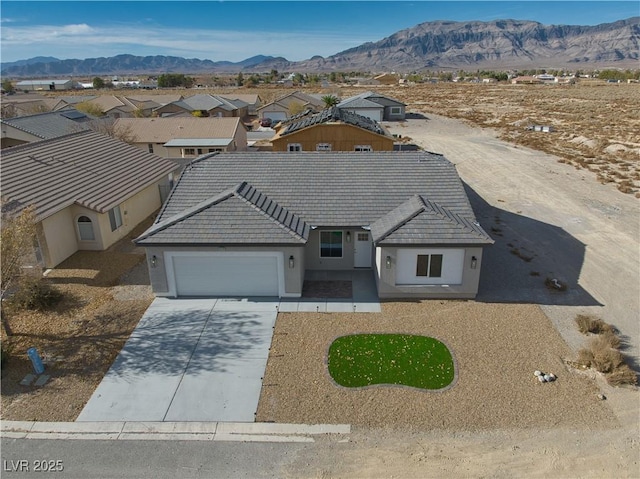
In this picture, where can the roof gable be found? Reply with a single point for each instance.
(164, 129)
(238, 215)
(421, 221)
(334, 115)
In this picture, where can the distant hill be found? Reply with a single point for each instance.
(499, 44)
(124, 64)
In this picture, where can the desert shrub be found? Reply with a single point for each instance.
(600, 356)
(590, 324)
(36, 293)
(623, 375)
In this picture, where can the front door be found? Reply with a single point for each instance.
(362, 250)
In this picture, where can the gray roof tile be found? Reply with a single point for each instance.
(48, 125)
(326, 189)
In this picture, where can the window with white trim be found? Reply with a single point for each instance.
(150, 147)
(189, 151)
(323, 147)
(396, 110)
(331, 244)
(429, 265)
(294, 147)
(115, 218)
(362, 148)
(85, 229)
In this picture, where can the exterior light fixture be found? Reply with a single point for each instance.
(154, 261)
(388, 262)
(348, 236)
(291, 262)
(474, 262)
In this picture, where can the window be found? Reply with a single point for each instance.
(150, 147)
(199, 151)
(362, 148)
(213, 150)
(294, 147)
(429, 265)
(396, 110)
(331, 244)
(115, 218)
(85, 228)
(323, 147)
(189, 151)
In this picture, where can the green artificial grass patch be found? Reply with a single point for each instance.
(364, 359)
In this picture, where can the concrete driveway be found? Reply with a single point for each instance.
(189, 360)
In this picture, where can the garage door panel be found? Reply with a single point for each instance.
(230, 275)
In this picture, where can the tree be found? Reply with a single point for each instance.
(98, 83)
(172, 80)
(90, 109)
(106, 126)
(330, 100)
(295, 108)
(240, 79)
(7, 86)
(17, 236)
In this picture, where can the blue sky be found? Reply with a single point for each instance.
(236, 30)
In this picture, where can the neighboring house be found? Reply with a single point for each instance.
(45, 85)
(89, 190)
(66, 102)
(252, 100)
(205, 105)
(332, 130)
(43, 126)
(525, 80)
(113, 106)
(26, 104)
(392, 109)
(281, 109)
(184, 137)
(252, 224)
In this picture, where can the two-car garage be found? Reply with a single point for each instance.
(224, 273)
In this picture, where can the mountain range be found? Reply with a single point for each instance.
(499, 44)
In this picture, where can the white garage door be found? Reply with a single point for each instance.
(226, 275)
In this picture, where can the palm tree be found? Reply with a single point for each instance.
(330, 100)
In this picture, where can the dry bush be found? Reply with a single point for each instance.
(590, 324)
(623, 375)
(600, 356)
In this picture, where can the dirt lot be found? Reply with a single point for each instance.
(105, 296)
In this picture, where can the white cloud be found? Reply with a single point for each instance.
(84, 41)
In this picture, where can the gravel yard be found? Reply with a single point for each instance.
(496, 347)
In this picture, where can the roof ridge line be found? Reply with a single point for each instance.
(407, 219)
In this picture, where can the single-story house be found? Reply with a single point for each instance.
(43, 126)
(392, 109)
(525, 80)
(332, 130)
(205, 105)
(46, 85)
(184, 137)
(89, 190)
(114, 107)
(289, 105)
(252, 224)
(252, 100)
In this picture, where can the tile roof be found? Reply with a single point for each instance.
(240, 214)
(334, 114)
(326, 189)
(86, 168)
(420, 221)
(48, 125)
(356, 102)
(209, 102)
(162, 130)
(372, 96)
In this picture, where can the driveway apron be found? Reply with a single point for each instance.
(189, 360)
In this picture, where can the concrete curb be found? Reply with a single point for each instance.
(170, 431)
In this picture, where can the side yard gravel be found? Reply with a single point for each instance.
(497, 348)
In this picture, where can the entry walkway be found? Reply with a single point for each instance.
(364, 294)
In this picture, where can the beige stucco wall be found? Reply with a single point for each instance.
(293, 277)
(313, 259)
(386, 278)
(60, 237)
